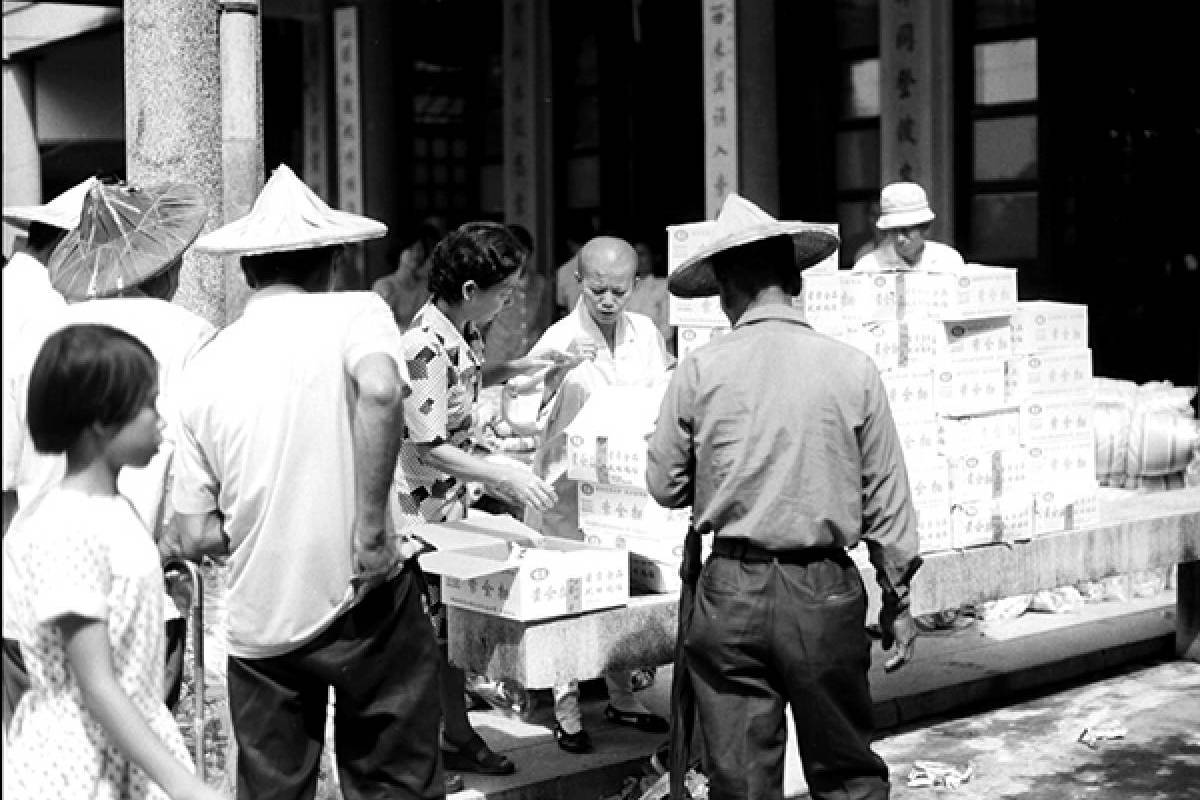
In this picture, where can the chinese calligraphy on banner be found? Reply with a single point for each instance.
(520, 114)
(720, 103)
(906, 90)
(316, 144)
(348, 98)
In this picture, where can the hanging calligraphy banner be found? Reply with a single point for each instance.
(520, 114)
(315, 108)
(906, 90)
(348, 98)
(720, 103)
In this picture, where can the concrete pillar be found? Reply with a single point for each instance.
(22, 161)
(758, 126)
(241, 130)
(173, 122)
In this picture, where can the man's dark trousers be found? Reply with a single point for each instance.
(770, 632)
(382, 660)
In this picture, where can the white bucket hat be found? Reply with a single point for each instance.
(739, 223)
(61, 212)
(288, 216)
(902, 205)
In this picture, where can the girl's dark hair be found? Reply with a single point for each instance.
(86, 374)
(755, 266)
(484, 252)
(302, 268)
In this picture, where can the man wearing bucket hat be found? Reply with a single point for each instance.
(904, 220)
(782, 442)
(291, 425)
(129, 242)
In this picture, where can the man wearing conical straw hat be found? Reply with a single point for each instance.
(120, 266)
(291, 420)
(27, 294)
(781, 441)
(30, 307)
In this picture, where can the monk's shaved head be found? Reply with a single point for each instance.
(607, 257)
(607, 273)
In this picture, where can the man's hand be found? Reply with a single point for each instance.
(378, 555)
(899, 633)
(518, 485)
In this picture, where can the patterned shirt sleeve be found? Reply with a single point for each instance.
(426, 412)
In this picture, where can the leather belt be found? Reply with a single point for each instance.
(745, 550)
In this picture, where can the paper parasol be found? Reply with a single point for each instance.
(126, 235)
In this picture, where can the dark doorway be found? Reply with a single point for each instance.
(1124, 129)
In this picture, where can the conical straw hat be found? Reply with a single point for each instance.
(126, 235)
(61, 212)
(288, 216)
(739, 223)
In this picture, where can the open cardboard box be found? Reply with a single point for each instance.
(497, 565)
(479, 528)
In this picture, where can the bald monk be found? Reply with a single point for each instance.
(623, 348)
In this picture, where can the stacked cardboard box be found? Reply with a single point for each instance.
(989, 394)
(698, 320)
(606, 456)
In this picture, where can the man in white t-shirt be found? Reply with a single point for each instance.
(30, 308)
(290, 421)
(904, 220)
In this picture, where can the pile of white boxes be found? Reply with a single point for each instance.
(697, 320)
(992, 397)
(606, 456)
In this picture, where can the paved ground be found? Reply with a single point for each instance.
(1031, 749)
(1020, 692)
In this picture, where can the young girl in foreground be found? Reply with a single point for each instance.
(83, 588)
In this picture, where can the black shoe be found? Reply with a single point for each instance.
(573, 742)
(476, 756)
(649, 723)
(454, 783)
